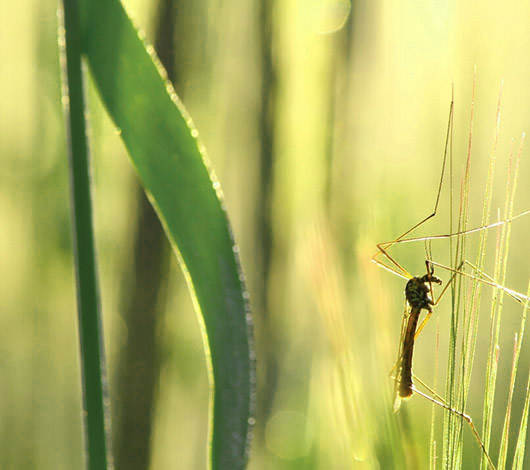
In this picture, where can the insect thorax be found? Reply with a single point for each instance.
(417, 291)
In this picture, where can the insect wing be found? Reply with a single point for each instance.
(397, 369)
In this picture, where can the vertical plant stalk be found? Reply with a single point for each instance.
(93, 371)
(138, 367)
(271, 352)
(143, 301)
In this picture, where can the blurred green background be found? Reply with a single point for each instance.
(325, 122)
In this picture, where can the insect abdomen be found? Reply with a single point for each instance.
(405, 384)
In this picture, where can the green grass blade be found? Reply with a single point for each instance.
(521, 439)
(163, 146)
(501, 263)
(93, 371)
(503, 452)
(518, 460)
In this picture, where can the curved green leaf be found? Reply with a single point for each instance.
(163, 146)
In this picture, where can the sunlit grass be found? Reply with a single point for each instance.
(358, 142)
(367, 431)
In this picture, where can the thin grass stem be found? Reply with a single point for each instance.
(93, 372)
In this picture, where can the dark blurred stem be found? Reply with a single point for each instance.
(93, 371)
(268, 354)
(138, 366)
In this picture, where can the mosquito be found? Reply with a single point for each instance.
(419, 296)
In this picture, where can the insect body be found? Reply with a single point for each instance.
(417, 293)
